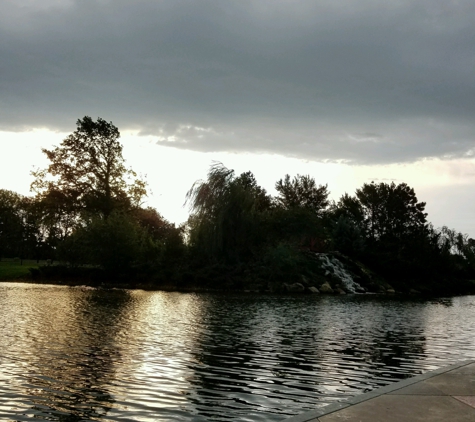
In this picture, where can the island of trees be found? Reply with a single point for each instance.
(86, 218)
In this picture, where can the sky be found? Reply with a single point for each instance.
(347, 92)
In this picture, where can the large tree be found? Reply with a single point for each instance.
(302, 192)
(301, 210)
(386, 225)
(87, 173)
(226, 214)
(390, 210)
(383, 211)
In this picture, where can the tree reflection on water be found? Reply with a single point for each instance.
(69, 349)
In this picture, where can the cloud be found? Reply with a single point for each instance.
(360, 82)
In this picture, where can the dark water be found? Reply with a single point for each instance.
(74, 354)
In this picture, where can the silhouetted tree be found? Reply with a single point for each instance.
(301, 206)
(11, 225)
(116, 244)
(167, 237)
(19, 227)
(383, 211)
(87, 172)
(225, 214)
(302, 191)
(347, 237)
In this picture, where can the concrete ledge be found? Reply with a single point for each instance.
(313, 414)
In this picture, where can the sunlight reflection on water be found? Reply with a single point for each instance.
(75, 354)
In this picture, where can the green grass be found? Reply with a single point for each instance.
(11, 269)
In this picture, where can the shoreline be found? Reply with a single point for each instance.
(197, 289)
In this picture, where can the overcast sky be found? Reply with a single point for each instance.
(374, 86)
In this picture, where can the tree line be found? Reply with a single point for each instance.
(87, 214)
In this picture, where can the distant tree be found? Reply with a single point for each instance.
(351, 209)
(262, 201)
(19, 228)
(301, 208)
(166, 236)
(11, 224)
(347, 237)
(226, 211)
(87, 173)
(302, 191)
(116, 244)
(457, 248)
(384, 211)
(395, 236)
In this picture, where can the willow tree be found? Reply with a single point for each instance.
(87, 173)
(225, 214)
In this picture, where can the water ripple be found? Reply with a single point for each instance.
(76, 354)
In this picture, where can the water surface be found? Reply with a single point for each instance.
(79, 354)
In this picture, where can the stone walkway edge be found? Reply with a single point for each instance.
(312, 415)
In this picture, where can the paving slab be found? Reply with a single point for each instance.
(464, 370)
(454, 384)
(389, 408)
(470, 400)
(419, 389)
(446, 394)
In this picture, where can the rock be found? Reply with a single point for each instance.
(361, 290)
(390, 291)
(340, 291)
(414, 292)
(313, 289)
(295, 288)
(326, 288)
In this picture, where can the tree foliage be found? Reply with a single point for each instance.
(384, 211)
(386, 225)
(226, 213)
(87, 172)
(11, 225)
(19, 229)
(302, 191)
(116, 244)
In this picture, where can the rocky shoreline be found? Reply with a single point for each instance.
(320, 273)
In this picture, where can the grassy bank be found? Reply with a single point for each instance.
(15, 269)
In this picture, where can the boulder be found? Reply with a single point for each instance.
(340, 291)
(390, 291)
(326, 288)
(313, 290)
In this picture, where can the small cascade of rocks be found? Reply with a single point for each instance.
(333, 266)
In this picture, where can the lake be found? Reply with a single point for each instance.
(81, 354)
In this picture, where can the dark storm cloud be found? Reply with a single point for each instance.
(364, 81)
